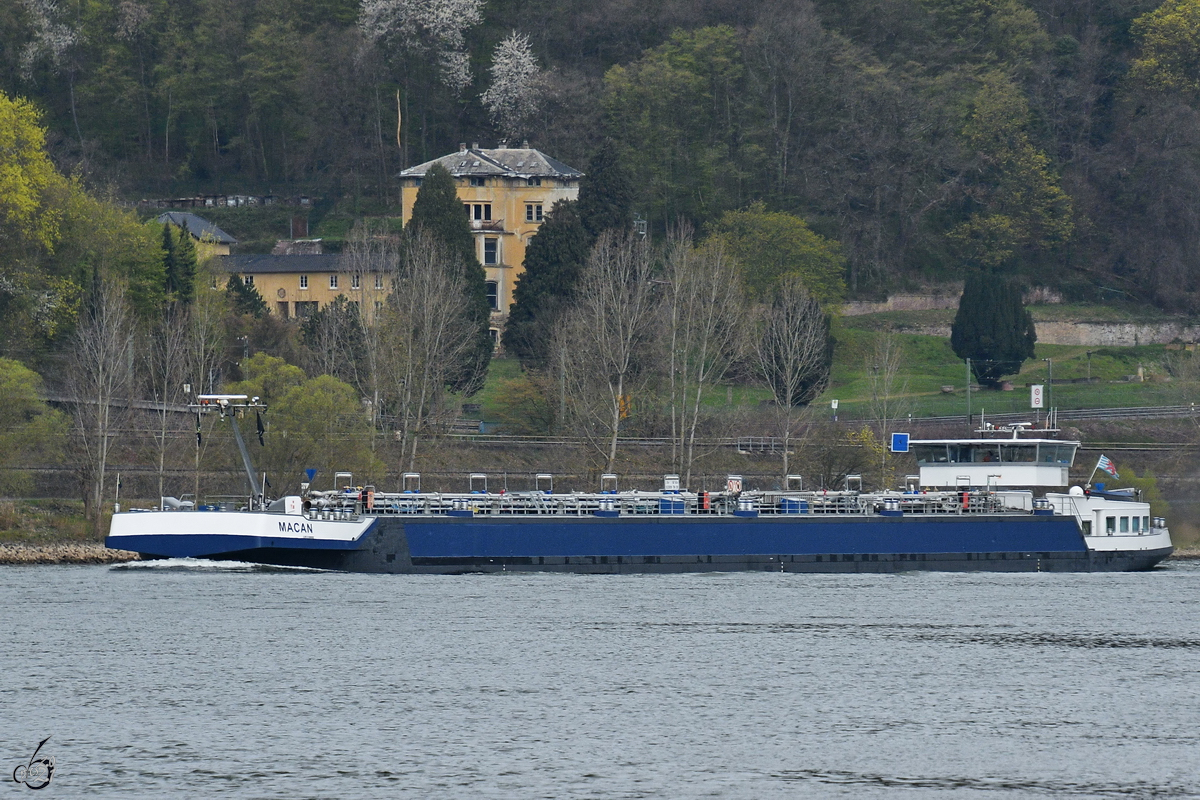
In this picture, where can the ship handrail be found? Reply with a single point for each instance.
(349, 505)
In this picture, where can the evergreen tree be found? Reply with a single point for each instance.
(169, 240)
(183, 283)
(246, 299)
(992, 328)
(179, 263)
(605, 193)
(438, 211)
(553, 262)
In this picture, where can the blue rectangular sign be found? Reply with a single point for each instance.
(899, 442)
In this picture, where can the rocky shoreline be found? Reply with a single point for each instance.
(74, 553)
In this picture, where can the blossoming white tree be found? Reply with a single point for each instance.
(517, 85)
(51, 39)
(426, 28)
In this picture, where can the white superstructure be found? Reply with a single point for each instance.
(1109, 521)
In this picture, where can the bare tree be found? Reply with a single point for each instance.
(98, 378)
(602, 337)
(703, 312)
(427, 327)
(793, 354)
(889, 403)
(165, 357)
(372, 260)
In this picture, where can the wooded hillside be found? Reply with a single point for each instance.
(1052, 138)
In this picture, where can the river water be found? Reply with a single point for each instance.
(178, 679)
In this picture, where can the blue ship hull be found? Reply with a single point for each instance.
(450, 544)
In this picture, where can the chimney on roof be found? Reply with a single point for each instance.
(503, 145)
(474, 145)
(462, 147)
(524, 144)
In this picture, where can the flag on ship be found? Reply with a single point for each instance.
(1107, 465)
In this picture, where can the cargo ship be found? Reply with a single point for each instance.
(973, 507)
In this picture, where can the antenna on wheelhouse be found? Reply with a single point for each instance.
(231, 406)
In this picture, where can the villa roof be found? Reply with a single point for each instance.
(522, 162)
(198, 227)
(267, 264)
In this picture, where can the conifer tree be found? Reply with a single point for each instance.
(605, 193)
(553, 263)
(246, 299)
(438, 211)
(182, 284)
(992, 328)
(169, 256)
(179, 263)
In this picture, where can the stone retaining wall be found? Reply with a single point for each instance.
(1091, 334)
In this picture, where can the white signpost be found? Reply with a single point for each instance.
(1037, 397)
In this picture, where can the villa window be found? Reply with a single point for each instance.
(533, 212)
(354, 282)
(333, 281)
(493, 295)
(379, 282)
(478, 181)
(303, 285)
(491, 248)
(248, 280)
(533, 181)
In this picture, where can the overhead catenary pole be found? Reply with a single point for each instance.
(968, 395)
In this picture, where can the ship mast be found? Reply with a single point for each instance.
(232, 406)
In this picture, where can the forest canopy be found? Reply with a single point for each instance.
(1048, 139)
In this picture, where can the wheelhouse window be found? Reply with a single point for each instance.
(993, 452)
(930, 453)
(1061, 453)
(1018, 453)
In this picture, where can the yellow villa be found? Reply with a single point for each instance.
(506, 192)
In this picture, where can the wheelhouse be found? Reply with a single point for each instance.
(994, 451)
